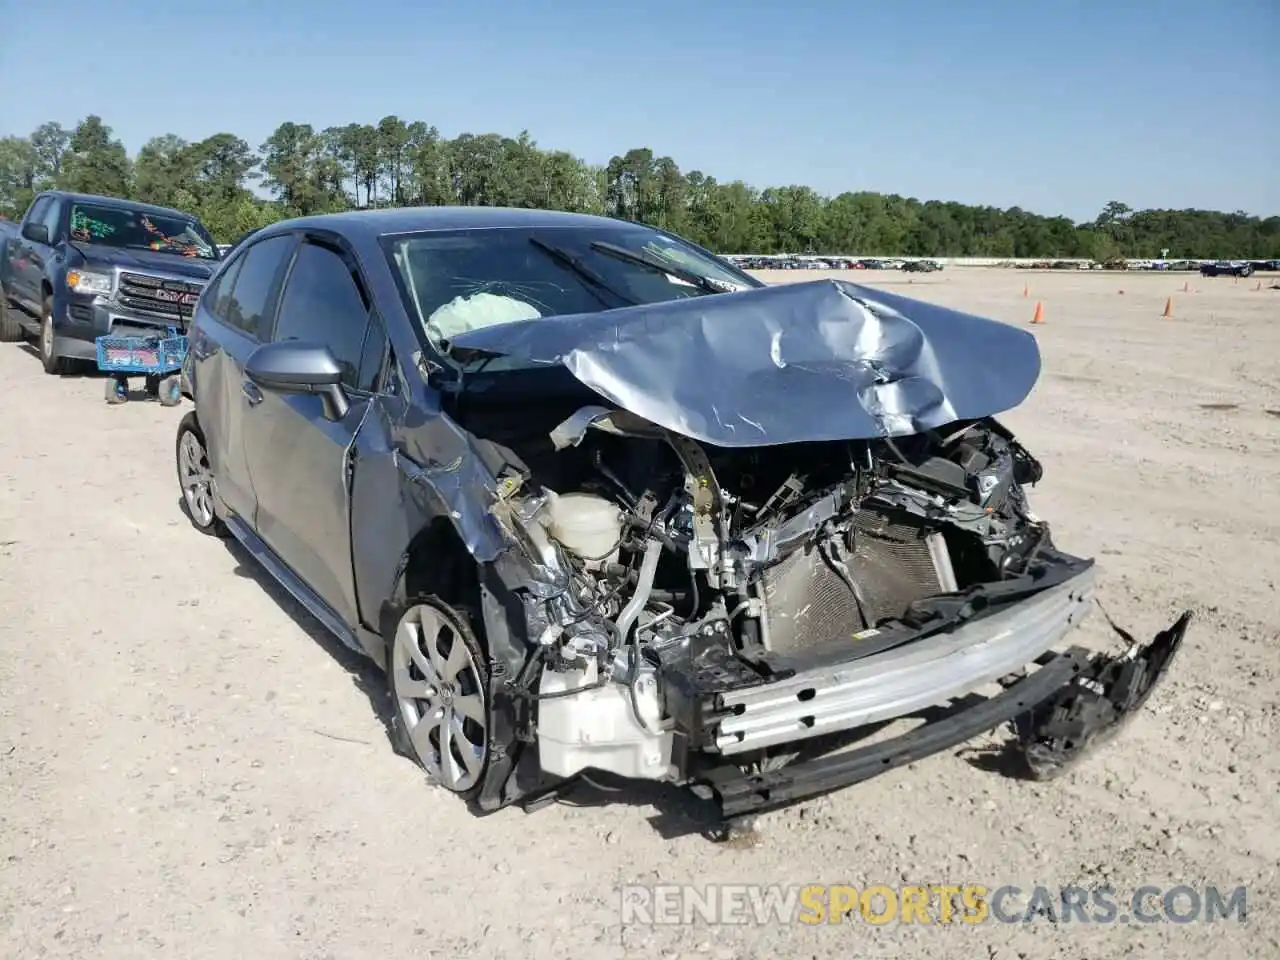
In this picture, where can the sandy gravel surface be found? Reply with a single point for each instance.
(190, 769)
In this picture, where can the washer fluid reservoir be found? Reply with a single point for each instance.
(586, 525)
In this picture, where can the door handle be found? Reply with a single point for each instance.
(251, 392)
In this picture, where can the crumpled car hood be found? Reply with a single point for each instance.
(825, 360)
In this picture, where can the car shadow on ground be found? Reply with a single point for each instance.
(364, 673)
(680, 813)
(82, 369)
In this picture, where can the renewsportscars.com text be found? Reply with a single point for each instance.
(747, 904)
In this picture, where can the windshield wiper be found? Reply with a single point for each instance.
(705, 284)
(581, 269)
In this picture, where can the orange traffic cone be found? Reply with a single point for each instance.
(1259, 286)
(1038, 317)
(1026, 289)
(1186, 286)
(1168, 309)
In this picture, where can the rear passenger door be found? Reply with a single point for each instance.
(235, 316)
(298, 459)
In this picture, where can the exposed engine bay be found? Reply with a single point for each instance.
(683, 571)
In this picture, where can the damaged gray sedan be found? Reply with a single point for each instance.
(599, 502)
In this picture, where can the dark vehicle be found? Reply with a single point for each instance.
(921, 266)
(83, 267)
(1226, 268)
(598, 501)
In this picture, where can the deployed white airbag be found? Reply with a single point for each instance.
(477, 311)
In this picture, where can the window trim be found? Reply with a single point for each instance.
(380, 381)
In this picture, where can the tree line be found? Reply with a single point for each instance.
(303, 170)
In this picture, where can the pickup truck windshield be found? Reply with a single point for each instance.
(454, 281)
(137, 230)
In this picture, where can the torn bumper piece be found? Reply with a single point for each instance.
(1073, 703)
(1083, 716)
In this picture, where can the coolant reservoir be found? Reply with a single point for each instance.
(585, 525)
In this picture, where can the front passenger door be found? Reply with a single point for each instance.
(25, 273)
(298, 459)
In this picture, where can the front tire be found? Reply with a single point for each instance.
(439, 680)
(195, 478)
(52, 363)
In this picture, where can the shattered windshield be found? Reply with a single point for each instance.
(455, 281)
(138, 230)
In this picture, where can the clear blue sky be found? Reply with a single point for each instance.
(1054, 107)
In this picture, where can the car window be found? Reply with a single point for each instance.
(323, 303)
(455, 281)
(38, 209)
(131, 228)
(50, 218)
(218, 294)
(254, 283)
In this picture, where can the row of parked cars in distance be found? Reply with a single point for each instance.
(790, 262)
(1208, 268)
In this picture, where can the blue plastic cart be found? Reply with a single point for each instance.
(158, 358)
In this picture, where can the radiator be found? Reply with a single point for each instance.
(809, 604)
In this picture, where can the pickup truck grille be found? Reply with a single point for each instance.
(173, 300)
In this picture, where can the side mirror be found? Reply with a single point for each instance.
(295, 366)
(36, 233)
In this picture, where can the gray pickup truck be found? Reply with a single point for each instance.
(79, 267)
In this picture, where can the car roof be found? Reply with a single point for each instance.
(119, 203)
(371, 224)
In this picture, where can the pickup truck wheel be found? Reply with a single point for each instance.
(169, 391)
(52, 363)
(439, 682)
(10, 330)
(195, 478)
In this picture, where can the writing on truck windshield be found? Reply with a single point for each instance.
(138, 230)
(462, 280)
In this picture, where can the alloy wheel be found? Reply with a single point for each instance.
(196, 479)
(440, 697)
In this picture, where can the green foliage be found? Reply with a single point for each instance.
(394, 162)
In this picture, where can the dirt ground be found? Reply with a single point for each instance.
(190, 768)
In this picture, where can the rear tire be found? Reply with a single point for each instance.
(195, 478)
(115, 391)
(10, 330)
